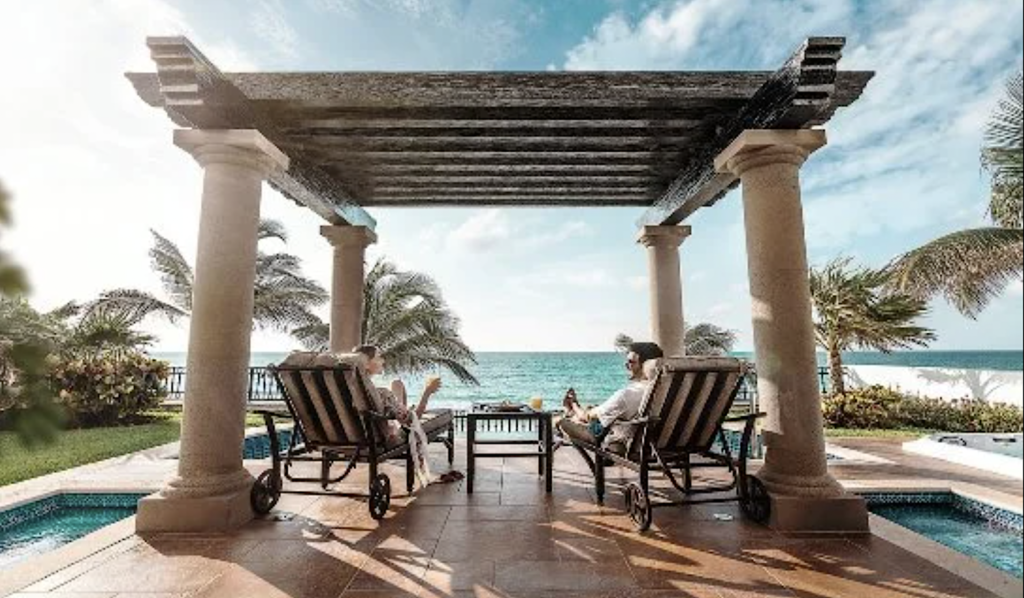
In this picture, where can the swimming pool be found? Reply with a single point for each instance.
(47, 523)
(984, 532)
(997, 453)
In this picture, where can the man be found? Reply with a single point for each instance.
(587, 425)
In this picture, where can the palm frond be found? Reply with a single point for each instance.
(1003, 156)
(175, 273)
(405, 315)
(622, 342)
(131, 306)
(66, 311)
(707, 339)
(852, 310)
(313, 336)
(968, 268)
(271, 229)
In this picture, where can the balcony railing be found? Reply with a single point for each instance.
(263, 387)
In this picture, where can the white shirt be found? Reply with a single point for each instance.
(623, 405)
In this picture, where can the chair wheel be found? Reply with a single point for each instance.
(638, 505)
(754, 500)
(266, 491)
(380, 496)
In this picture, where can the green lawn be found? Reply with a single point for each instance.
(79, 447)
(874, 433)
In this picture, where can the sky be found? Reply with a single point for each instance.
(93, 169)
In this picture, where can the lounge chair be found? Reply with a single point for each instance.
(682, 416)
(338, 418)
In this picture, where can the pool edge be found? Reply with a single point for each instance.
(967, 568)
(91, 549)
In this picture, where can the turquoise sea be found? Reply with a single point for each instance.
(519, 376)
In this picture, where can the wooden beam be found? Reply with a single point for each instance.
(495, 158)
(456, 126)
(611, 88)
(450, 190)
(196, 94)
(510, 201)
(794, 96)
(580, 143)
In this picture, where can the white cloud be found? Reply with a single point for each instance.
(719, 309)
(1016, 288)
(702, 34)
(496, 228)
(269, 22)
(481, 232)
(637, 282)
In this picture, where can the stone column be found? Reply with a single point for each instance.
(805, 496)
(662, 243)
(347, 277)
(211, 489)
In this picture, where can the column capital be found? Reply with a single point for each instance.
(762, 147)
(242, 147)
(348, 236)
(663, 236)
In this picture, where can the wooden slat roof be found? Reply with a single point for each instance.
(364, 139)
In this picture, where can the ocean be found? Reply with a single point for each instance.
(519, 376)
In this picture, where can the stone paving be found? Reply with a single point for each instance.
(508, 539)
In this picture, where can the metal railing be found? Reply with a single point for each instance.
(263, 387)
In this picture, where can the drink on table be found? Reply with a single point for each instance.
(536, 403)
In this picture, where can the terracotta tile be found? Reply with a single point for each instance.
(532, 513)
(661, 563)
(592, 550)
(67, 595)
(445, 578)
(266, 581)
(160, 573)
(538, 576)
(225, 548)
(495, 541)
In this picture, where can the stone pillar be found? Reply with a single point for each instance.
(662, 243)
(347, 277)
(211, 489)
(805, 496)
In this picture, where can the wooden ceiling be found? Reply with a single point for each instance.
(362, 139)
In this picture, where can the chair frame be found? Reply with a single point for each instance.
(373, 451)
(750, 492)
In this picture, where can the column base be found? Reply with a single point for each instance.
(220, 513)
(843, 513)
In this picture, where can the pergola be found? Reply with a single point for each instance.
(340, 143)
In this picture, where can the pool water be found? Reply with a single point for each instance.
(983, 532)
(49, 523)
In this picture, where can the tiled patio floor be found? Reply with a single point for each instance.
(507, 539)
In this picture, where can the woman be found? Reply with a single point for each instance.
(395, 406)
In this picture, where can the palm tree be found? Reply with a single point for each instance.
(851, 311)
(699, 339)
(971, 267)
(26, 402)
(284, 298)
(406, 317)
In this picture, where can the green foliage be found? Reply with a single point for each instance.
(971, 267)
(700, 339)
(852, 311)
(25, 340)
(104, 389)
(877, 407)
(405, 315)
(79, 447)
(284, 299)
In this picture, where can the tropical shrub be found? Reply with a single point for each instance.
(884, 408)
(107, 389)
